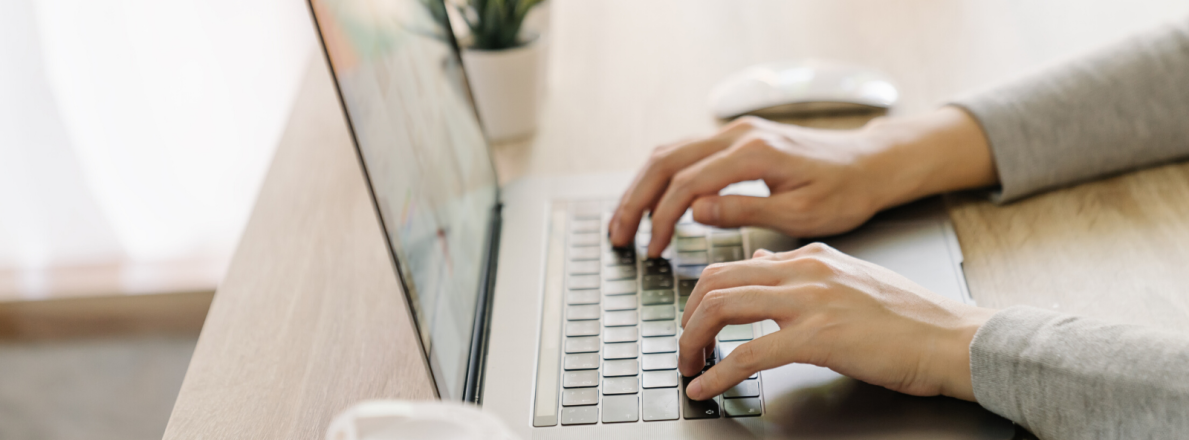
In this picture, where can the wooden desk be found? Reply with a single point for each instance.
(309, 319)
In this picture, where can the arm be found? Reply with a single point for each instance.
(1120, 108)
(1065, 377)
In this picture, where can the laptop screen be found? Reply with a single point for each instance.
(406, 99)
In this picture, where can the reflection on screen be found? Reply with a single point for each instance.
(424, 152)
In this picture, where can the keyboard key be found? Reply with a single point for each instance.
(660, 361)
(654, 328)
(660, 345)
(736, 333)
(657, 282)
(620, 302)
(589, 210)
(726, 238)
(726, 254)
(689, 244)
(747, 388)
(582, 313)
(582, 328)
(618, 409)
(586, 344)
(621, 334)
(660, 379)
(578, 282)
(620, 385)
(654, 297)
(580, 396)
(584, 253)
(698, 409)
(681, 303)
(657, 266)
(725, 348)
(617, 257)
(620, 318)
(657, 313)
(584, 226)
(692, 258)
(587, 267)
(690, 272)
(622, 287)
(613, 273)
(686, 287)
(579, 297)
(583, 239)
(584, 361)
(580, 415)
(580, 379)
(624, 350)
(621, 367)
(642, 240)
(689, 230)
(745, 407)
(659, 404)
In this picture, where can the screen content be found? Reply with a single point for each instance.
(406, 98)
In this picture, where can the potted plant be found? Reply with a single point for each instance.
(505, 65)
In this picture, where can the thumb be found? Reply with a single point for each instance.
(734, 211)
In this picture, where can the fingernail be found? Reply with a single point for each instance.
(694, 389)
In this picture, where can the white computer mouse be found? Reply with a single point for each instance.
(801, 87)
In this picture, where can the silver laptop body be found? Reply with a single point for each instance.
(521, 305)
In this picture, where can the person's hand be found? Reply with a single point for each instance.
(821, 181)
(834, 311)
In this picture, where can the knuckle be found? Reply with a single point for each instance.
(748, 357)
(814, 265)
(815, 248)
(745, 122)
(714, 304)
(754, 145)
(713, 271)
(682, 179)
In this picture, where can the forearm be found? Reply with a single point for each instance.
(1065, 377)
(1119, 108)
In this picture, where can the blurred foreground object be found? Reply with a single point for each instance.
(416, 420)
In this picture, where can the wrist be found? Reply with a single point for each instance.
(952, 353)
(918, 156)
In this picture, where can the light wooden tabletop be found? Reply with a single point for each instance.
(310, 318)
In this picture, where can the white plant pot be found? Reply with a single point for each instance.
(508, 86)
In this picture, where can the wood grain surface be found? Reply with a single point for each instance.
(1115, 249)
(310, 318)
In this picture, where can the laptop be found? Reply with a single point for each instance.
(523, 307)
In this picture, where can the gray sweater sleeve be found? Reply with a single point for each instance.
(1065, 377)
(1122, 107)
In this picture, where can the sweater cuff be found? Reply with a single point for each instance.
(995, 355)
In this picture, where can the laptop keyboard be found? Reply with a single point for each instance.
(621, 324)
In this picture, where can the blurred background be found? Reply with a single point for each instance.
(134, 135)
